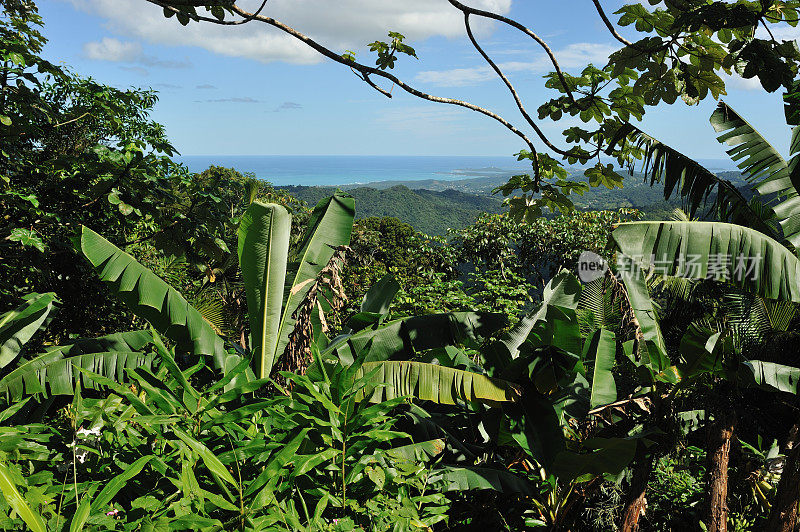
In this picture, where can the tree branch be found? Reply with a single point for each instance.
(198, 3)
(363, 69)
(609, 25)
(513, 23)
(511, 88)
(72, 120)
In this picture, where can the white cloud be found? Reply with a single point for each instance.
(349, 25)
(109, 49)
(575, 55)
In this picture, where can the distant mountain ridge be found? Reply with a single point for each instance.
(429, 211)
(434, 205)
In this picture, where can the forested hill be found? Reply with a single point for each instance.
(433, 206)
(431, 212)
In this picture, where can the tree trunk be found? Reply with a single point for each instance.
(569, 513)
(636, 502)
(783, 517)
(719, 451)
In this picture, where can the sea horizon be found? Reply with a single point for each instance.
(335, 170)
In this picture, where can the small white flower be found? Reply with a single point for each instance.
(88, 432)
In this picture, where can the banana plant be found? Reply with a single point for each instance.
(277, 282)
(151, 298)
(764, 234)
(273, 297)
(775, 209)
(264, 258)
(389, 352)
(17, 326)
(55, 370)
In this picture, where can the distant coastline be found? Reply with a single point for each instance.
(335, 170)
(369, 170)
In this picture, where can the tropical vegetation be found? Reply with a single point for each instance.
(185, 351)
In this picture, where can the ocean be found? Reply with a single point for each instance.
(331, 170)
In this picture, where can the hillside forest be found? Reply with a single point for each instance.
(206, 351)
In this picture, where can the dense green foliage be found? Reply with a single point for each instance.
(434, 206)
(203, 352)
(430, 212)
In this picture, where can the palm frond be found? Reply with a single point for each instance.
(596, 307)
(213, 311)
(679, 215)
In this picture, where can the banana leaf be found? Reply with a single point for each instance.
(772, 376)
(263, 249)
(688, 179)
(699, 250)
(559, 302)
(329, 227)
(17, 326)
(482, 478)
(58, 373)
(404, 337)
(151, 298)
(765, 168)
(605, 456)
(604, 348)
(388, 380)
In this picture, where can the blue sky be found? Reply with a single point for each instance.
(250, 91)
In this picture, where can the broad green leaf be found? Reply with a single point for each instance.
(380, 295)
(81, 515)
(534, 425)
(421, 451)
(109, 355)
(18, 503)
(209, 459)
(328, 228)
(123, 341)
(604, 348)
(149, 297)
(60, 373)
(559, 299)
(404, 337)
(702, 351)
(764, 168)
(693, 182)
(15, 407)
(276, 463)
(431, 382)
(27, 237)
(113, 486)
(607, 455)
(194, 521)
(19, 325)
(306, 462)
(700, 250)
(481, 478)
(652, 348)
(263, 249)
(774, 376)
